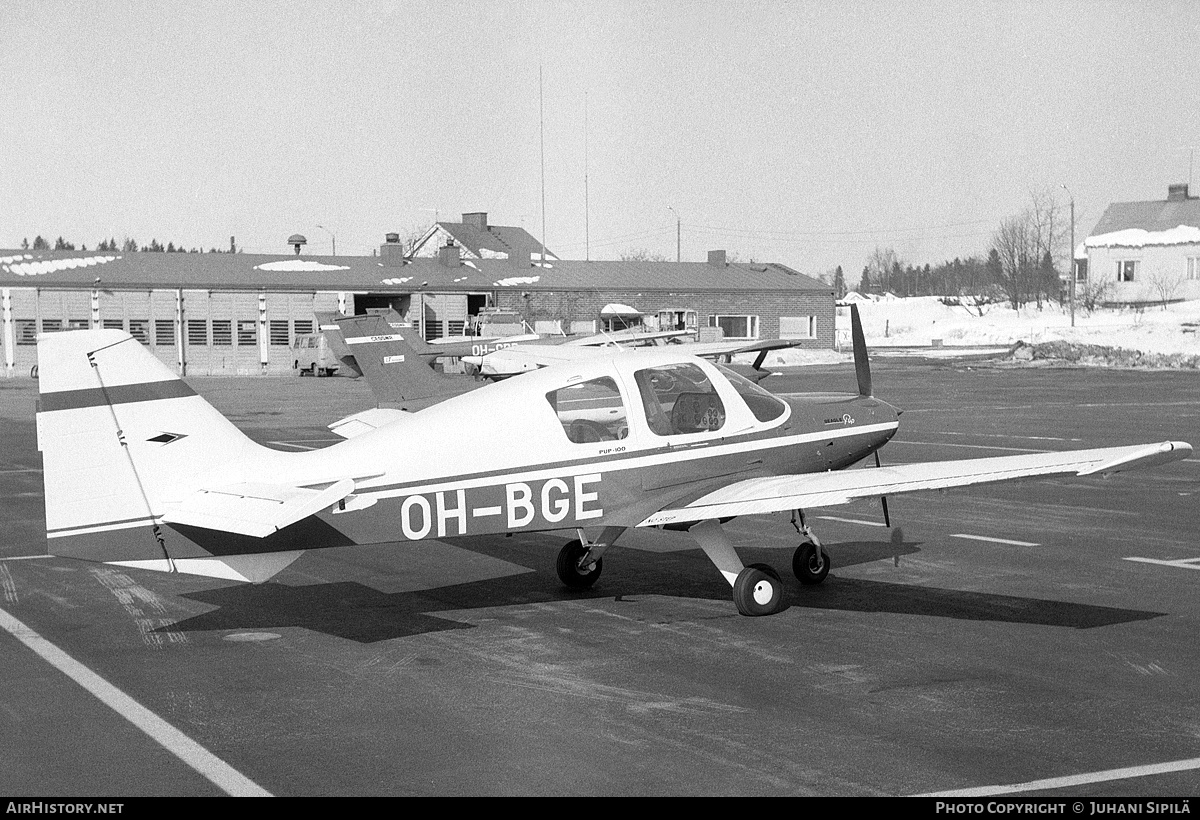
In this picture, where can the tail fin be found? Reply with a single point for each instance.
(395, 372)
(120, 434)
(327, 324)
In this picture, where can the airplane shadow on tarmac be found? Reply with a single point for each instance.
(357, 612)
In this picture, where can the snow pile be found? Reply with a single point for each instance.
(919, 321)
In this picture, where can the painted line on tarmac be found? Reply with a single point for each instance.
(969, 446)
(994, 540)
(1181, 563)
(27, 470)
(853, 521)
(1069, 781)
(1002, 435)
(174, 741)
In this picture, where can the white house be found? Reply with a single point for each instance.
(1143, 252)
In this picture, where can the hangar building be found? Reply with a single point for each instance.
(239, 314)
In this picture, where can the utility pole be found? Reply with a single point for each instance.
(1073, 273)
(678, 243)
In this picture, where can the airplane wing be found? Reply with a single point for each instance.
(732, 348)
(256, 509)
(624, 337)
(510, 361)
(791, 492)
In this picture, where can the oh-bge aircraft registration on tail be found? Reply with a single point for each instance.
(143, 472)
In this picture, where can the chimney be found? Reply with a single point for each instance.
(448, 255)
(1177, 192)
(392, 251)
(716, 258)
(476, 220)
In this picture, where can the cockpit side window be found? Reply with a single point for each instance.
(591, 411)
(765, 406)
(679, 399)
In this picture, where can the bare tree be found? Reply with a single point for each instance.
(643, 255)
(882, 264)
(1030, 246)
(1165, 281)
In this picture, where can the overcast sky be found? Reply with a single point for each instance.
(803, 133)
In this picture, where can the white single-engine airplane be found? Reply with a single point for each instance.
(141, 471)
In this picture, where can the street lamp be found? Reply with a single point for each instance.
(332, 238)
(678, 244)
(1073, 274)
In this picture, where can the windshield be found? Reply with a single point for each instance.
(765, 406)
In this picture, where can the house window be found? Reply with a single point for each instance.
(797, 327)
(1081, 271)
(1193, 268)
(247, 330)
(51, 325)
(164, 332)
(591, 411)
(222, 332)
(1127, 270)
(78, 324)
(197, 332)
(26, 331)
(113, 324)
(279, 332)
(736, 327)
(140, 330)
(302, 326)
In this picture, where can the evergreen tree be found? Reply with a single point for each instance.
(839, 283)
(864, 285)
(40, 244)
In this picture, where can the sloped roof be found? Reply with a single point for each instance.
(1158, 215)
(495, 238)
(254, 272)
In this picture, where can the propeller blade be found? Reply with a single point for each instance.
(862, 367)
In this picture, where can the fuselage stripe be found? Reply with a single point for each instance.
(619, 461)
(117, 394)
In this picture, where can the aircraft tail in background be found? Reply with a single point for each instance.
(396, 372)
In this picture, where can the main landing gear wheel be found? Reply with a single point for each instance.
(757, 590)
(810, 566)
(568, 566)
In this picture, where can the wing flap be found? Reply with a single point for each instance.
(255, 509)
(790, 492)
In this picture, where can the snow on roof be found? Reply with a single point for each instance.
(299, 266)
(1139, 238)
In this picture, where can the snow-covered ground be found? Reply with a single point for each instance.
(922, 321)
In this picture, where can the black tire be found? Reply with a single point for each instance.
(568, 566)
(808, 566)
(757, 590)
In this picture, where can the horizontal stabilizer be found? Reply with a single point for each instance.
(256, 510)
(253, 569)
(793, 492)
(366, 421)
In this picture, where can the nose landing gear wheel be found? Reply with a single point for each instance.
(568, 568)
(810, 566)
(757, 590)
